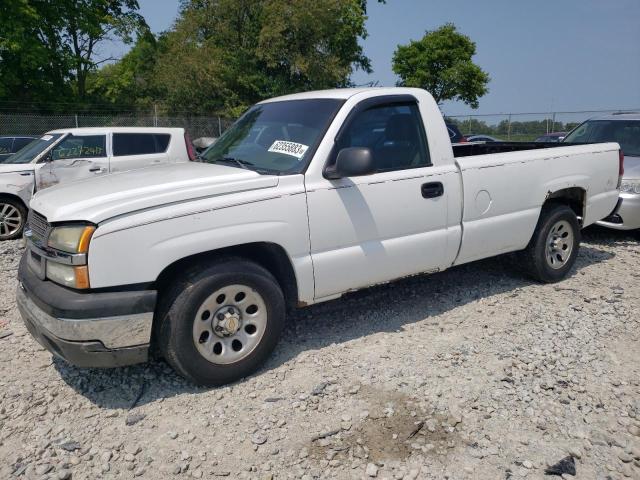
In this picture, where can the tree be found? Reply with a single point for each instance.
(48, 48)
(87, 23)
(130, 81)
(441, 62)
(224, 55)
(33, 68)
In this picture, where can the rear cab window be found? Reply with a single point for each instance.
(125, 144)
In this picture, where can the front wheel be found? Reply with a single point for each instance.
(554, 246)
(13, 215)
(222, 323)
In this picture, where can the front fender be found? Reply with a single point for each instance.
(139, 254)
(18, 184)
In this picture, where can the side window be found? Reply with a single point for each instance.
(394, 133)
(139, 143)
(21, 142)
(5, 145)
(80, 146)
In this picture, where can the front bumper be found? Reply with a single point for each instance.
(627, 215)
(86, 329)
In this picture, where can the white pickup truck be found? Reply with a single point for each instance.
(305, 198)
(72, 154)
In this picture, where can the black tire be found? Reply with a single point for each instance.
(535, 259)
(19, 211)
(180, 305)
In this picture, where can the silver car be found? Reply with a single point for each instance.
(623, 128)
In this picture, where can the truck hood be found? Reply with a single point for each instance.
(16, 167)
(100, 198)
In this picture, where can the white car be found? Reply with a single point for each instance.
(79, 153)
(305, 198)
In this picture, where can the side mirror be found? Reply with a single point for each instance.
(351, 162)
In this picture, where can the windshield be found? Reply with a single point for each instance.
(624, 132)
(33, 149)
(276, 138)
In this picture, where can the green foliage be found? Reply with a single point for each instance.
(48, 48)
(219, 57)
(87, 23)
(129, 82)
(32, 66)
(441, 62)
(225, 55)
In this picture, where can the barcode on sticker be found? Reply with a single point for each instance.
(289, 148)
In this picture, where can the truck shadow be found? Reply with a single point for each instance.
(385, 308)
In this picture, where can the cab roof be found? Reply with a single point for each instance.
(618, 116)
(342, 93)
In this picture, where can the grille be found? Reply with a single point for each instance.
(39, 227)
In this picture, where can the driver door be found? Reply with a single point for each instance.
(371, 229)
(74, 158)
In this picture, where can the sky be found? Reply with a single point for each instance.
(554, 55)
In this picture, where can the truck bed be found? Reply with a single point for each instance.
(482, 148)
(505, 184)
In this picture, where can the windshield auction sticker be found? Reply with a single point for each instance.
(289, 148)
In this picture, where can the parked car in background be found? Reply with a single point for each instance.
(79, 153)
(623, 128)
(481, 138)
(554, 137)
(12, 143)
(454, 133)
(305, 198)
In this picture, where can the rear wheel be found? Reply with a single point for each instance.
(222, 322)
(13, 215)
(554, 246)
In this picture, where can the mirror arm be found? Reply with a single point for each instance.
(331, 173)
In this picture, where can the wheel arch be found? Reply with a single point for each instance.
(271, 256)
(4, 196)
(573, 197)
(13, 196)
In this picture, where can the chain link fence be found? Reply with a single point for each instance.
(37, 124)
(522, 127)
(504, 126)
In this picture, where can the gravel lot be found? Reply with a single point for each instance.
(472, 373)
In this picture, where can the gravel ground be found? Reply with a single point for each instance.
(472, 373)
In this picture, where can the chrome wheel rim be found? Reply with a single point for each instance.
(559, 244)
(10, 220)
(230, 324)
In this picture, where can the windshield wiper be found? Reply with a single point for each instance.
(241, 163)
(246, 164)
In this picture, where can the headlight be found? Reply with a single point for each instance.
(630, 186)
(68, 275)
(71, 239)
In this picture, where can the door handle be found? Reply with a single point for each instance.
(97, 169)
(432, 189)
